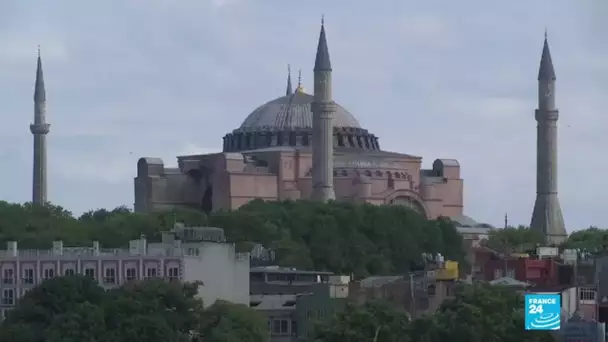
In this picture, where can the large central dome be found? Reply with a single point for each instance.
(287, 122)
(291, 112)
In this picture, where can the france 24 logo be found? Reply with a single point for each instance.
(543, 311)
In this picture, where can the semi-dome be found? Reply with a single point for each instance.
(292, 111)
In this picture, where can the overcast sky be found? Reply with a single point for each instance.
(439, 79)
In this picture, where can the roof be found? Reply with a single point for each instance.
(284, 270)
(39, 91)
(291, 112)
(322, 61)
(466, 221)
(546, 71)
(376, 281)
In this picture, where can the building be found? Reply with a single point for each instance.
(39, 128)
(274, 155)
(547, 217)
(418, 293)
(186, 254)
(293, 299)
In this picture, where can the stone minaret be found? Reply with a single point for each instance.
(323, 111)
(288, 91)
(547, 216)
(39, 129)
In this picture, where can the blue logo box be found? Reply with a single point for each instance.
(543, 311)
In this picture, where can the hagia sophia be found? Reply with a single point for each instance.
(272, 156)
(307, 146)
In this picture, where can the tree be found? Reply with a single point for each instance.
(340, 237)
(67, 309)
(591, 240)
(227, 322)
(139, 310)
(57, 304)
(478, 313)
(513, 239)
(374, 320)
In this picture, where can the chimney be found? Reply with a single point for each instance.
(95, 248)
(11, 249)
(58, 247)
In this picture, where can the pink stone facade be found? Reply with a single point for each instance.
(23, 272)
(229, 180)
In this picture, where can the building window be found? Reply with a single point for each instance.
(90, 272)
(69, 272)
(511, 273)
(150, 272)
(131, 273)
(8, 297)
(28, 276)
(276, 327)
(497, 273)
(587, 294)
(48, 273)
(110, 276)
(280, 327)
(173, 273)
(294, 328)
(8, 276)
(431, 289)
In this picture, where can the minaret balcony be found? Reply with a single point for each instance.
(40, 128)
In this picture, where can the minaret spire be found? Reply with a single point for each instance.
(288, 91)
(323, 112)
(322, 62)
(546, 71)
(39, 129)
(547, 217)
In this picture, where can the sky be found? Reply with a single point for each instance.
(438, 79)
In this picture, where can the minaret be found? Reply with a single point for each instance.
(323, 111)
(288, 91)
(547, 216)
(39, 129)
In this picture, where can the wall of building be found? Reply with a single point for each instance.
(225, 274)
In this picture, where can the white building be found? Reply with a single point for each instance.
(185, 253)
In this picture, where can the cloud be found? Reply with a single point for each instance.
(438, 79)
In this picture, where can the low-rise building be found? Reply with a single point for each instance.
(185, 254)
(292, 299)
(418, 292)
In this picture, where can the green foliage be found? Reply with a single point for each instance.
(513, 239)
(364, 323)
(591, 239)
(67, 309)
(228, 322)
(340, 237)
(476, 313)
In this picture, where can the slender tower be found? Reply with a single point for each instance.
(39, 129)
(547, 216)
(288, 91)
(323, 111)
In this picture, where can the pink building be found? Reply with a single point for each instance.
(189, 257)
(270, 156)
